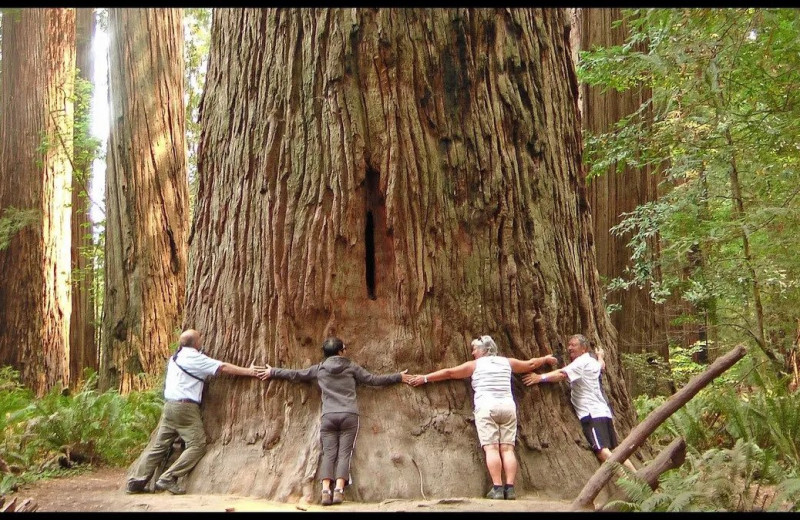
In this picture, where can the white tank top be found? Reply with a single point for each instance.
(491, 381)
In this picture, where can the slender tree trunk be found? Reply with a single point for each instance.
(755, 285)
(36, 112)
(640, 324)
(405, 179)
(83, 349)
(146, 197)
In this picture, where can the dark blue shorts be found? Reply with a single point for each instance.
(599, 431)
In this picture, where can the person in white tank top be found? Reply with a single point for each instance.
(494, 407)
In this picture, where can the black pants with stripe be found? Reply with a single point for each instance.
(599, 431)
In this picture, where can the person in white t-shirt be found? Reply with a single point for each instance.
(187, 371)
(586, 394)
(494, 407)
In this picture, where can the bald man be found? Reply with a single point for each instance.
(187, 371)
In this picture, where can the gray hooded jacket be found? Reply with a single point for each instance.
(337, 377)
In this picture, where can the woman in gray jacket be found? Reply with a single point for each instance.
(337, 377)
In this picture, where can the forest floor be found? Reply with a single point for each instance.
(102, 490)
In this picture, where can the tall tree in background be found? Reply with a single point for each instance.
(725, 86)
(36, 118)
(83, 348)
(146, 197)
(640, 323)
(405, 179)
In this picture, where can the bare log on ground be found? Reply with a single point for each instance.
(639, 434)
(26, 506)
(670, 458)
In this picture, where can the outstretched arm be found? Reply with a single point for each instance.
(549, 377)
(529, 365)
(236, 370)
(270, 372)
(459, 372)
(365, 377)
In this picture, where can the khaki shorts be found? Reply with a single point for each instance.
(497, 425)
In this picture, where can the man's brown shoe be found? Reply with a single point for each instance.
(171, 486)
(135, 486)
(338, 496)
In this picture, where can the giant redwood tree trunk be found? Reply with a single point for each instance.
(640, 324)
(146, 197)
(82, 347)
(36, 111)
(405, 179)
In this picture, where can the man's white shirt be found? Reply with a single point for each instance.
(584, 381)
(179, 384)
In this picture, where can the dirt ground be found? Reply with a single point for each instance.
(102, 490)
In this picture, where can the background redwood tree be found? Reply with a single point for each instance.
(36, 121)
(404, 179)
(640, 323)
(146, 197)
(83, 348)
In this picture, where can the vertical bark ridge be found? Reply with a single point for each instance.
(640, 324)
(83, 347)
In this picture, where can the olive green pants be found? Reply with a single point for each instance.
(177, 420)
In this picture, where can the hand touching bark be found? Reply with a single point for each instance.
(532, 379)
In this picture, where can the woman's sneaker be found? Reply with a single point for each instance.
(496, 493)
(326, 499)
(510, 493)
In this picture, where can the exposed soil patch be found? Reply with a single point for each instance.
(102, 490)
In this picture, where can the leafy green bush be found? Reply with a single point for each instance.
(742, 445)
(719, 479)
(59, 431)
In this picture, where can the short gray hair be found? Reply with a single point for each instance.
(486, 344)
(582, 340)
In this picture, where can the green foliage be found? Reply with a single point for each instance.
(787, 496)
(653, 376)
(721, 126)
(657, 377)
(13, 220)
(85, 146)
(741, 436)
(197, 41)
(682, 364)
(62, 431)
(719, 479)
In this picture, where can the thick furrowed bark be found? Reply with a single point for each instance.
(36, 111)
(405, 179)
(146, 197)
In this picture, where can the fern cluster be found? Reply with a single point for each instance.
(62, 431)
(742, 448)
